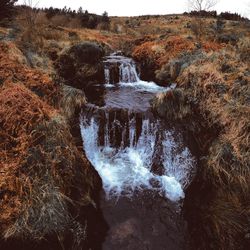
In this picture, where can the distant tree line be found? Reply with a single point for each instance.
(223, 15)
(87, 19)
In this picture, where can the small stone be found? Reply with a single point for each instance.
(247, 236)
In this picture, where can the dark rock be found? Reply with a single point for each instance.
(141, 222)
(225, 68)
(147, 70)
(73, 34)
(247, 236)
(163, 75)
(230, 38)
(169, 72)
(81, 65)
(53, 55)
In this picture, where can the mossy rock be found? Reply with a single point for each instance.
(81, 65)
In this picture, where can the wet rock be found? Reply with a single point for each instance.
(147, 70)
(226, 68)
(143, 223)
(230, 38)
(114, 73)
(80, 66)
(125, 230)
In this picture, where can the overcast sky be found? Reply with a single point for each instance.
(141, 7)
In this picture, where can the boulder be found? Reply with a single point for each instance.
(81, 65)
(230, 38)
(171, 71)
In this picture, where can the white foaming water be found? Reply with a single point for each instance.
(128, 72)
(107, 75)
(128, 76)
(126, 169)
(144, 86)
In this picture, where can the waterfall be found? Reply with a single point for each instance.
(128, 72)
(124, 147)
(107, 75)
(120, 69)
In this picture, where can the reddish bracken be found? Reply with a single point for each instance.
(35, 80)
(160, 52)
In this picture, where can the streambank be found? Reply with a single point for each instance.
(48, 188)
(219, 195)
(212, 104)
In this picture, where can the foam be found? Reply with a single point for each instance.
(125, 170)
(144, 86)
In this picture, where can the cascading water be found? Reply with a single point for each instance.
(124, 66)
(124, 147)
(143, 163)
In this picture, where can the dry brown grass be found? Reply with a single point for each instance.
(244, 49)
(217, 86)
(37, 81)
(43, 176)
(39, 168)
(44, 151)
(36, 30)
(20, 111)
(162, 51)
(226, 172)
(172, 105)
(72, 101)
(223, 222)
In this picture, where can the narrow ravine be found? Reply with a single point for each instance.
(143, 162)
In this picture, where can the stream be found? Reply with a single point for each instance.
(143, 162)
